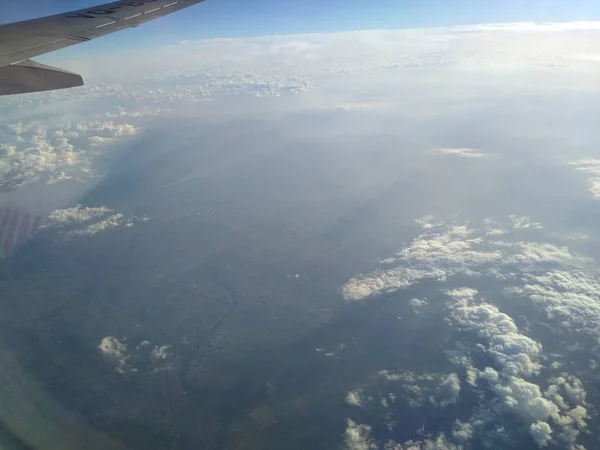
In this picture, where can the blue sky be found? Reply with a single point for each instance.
(231, 18)
(240, 18)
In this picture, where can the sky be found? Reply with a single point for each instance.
(242, 18)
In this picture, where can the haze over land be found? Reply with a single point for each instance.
(373, 239)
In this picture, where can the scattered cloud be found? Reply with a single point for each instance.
(520, 223)
(354, 398)
(160, 353)
(358, 437)
(418, 389)
(462, 152)
(569, 296)
(562, 284)
(128, 361)
(363, 106)
(89, 220)
(436, 254)
(541, 433)
(113, 221)
(591, 167)
(115, 350)
(517, 354)
(52, 153)
(76, 215)
(516, 359)
(417, 304)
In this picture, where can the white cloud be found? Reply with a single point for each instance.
(434, 255)
(354, 398)
(524, 222)
(89, 220)
(462, 152)
(438, 442)
(571, 296)
(462, 431)
(418, 389)
(114, 349)
(55, 151)
(515, 353)
(76, 215)
(448, 390)
(541, 433)
(516, 357)
(563, 284)
(362, 106)
(591, 167)
(358, 437)
(113, 221)
(160, 353)
(417, 304)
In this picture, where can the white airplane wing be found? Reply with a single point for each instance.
(21, 41)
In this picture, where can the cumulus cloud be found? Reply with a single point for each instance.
(516, 358)
(515, 353)
(436, 254)
(438, 442)
(115, 350)
(54, 152)
(560, 283)
(591, 167)
(106, 224)
(438, 389)
(570, 297)
(462, 431)
(89, 220)
(160, 353)
(417, 304)
(127, 361)
(541, 433)
(358, 437)
(563, 284)
(462, 152)
(76, 215)
(448, 390)
(354, 398)
(519, 223)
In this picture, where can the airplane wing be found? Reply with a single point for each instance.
(21, 41)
